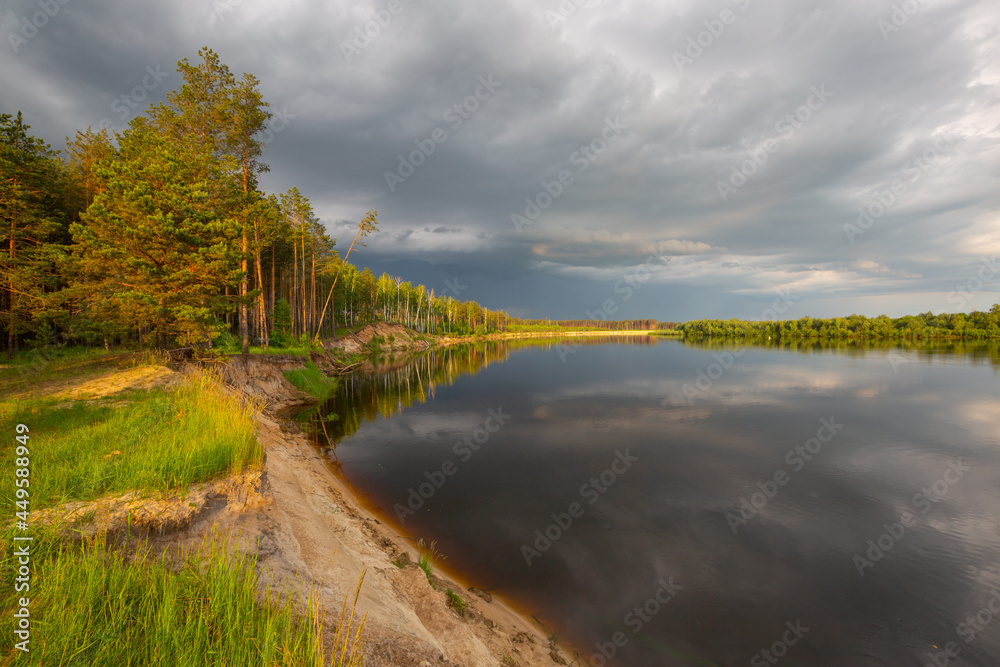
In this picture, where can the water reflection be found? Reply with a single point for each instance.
(985, 351)
(398, 382)
(738, 495)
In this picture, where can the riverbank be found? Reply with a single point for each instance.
(405, 606)
(320, 526)
(304, 528)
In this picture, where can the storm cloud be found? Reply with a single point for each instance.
(844, 152)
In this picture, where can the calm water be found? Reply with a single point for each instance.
(636, 457)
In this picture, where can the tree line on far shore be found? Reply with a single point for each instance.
(966, 326)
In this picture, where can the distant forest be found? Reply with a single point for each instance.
(966, 326)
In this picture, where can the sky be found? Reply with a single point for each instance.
(589, 158)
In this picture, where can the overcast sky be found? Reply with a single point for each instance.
(711, 154)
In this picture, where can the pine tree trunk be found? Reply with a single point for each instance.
(244, 285)
(292, 301)
(302, 240)
(11, 336)
(312, 298)
(272, 288)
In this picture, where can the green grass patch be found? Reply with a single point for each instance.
(456, 602)
(157, 440)
(426, 555)
(291, 350)
(103, 608)
(32, 368)
(312, 381)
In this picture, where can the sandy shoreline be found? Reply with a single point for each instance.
(315, 513)
(316, 526)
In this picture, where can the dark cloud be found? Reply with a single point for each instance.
(477, 109)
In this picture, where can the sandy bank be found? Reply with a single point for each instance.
(308, 527)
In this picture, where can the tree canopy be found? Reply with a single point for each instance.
(161, 235)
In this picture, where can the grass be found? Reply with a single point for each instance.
(158, 439)
(375, 345)
(312, 381)
(299, 348)
(426, 555)
(33, 368)
(291, 350)
(91, 606)
(456, 602)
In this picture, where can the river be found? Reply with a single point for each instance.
(659, 502)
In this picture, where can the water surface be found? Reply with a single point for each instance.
(702, 503)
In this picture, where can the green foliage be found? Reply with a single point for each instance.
(32, 227)
(375, 346)
(281, 333)
(157, 440)
(426, 555)
(161, 236)
(104, 608)
(529, 326)
(456, 602)
(312, 381)
(30, 368)
(972, 326)
(226, 343)
(668, 332)
(157, 248)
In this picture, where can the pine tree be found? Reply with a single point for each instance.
(31, 213)
(247, 118)
(155, 255)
